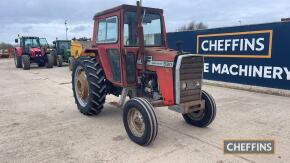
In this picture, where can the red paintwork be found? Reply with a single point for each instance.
(165, 75)
(32, 51)
(19, 51)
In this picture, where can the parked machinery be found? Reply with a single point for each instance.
(45, 46)
(131, 59)
(61, 52)
(4, 53)
(77, 49)
(29, 50)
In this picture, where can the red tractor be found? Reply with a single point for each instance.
(30, 50)
(132, 60)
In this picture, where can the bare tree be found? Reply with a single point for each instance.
(182, 28)
(5, 45)
(192, 26)
(201, 26)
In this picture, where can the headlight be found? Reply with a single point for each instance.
(183, 85)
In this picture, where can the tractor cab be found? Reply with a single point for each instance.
(61, 51)
(43, 42)
(62, 46)
(118, 41)
(44, 45)
(29, 44)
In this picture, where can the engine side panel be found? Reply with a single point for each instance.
(166, 84)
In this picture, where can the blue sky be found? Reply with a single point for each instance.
(46, 18)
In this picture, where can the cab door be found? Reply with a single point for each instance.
(108, 43)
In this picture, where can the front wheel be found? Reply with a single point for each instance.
(204, 117)
(59, 61)
(89, 85)
(54, 59)
(49, 58)
(140, 121)
(25, 62)
(17, 60)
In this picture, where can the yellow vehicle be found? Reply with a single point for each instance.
(77, 50)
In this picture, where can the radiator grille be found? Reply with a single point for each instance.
(190, 72)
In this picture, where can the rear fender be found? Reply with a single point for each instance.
(90, 51)
(102, 59)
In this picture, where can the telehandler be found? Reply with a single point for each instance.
(132, 60)
(77, 50)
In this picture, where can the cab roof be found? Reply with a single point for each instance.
(127, 8)
(32, 37)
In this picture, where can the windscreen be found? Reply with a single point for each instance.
(63, 45)
(43, 42)
(151, 27)
(31, 42)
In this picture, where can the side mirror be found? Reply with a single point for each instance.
(53, 42)
(16, 40)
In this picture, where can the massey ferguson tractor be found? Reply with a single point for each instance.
(61, 52)
(31, 51)
(132, 60)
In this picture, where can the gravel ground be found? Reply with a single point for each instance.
(39, 122)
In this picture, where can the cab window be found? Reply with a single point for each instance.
(107, 30)
(151, 27)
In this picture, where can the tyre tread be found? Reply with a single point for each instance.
(97, 88)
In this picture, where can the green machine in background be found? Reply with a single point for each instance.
(61, 52)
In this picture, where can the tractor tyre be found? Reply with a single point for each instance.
(89, 85)
(25, 62)
(202, 118)
(140, 121)
(54, 58)
(49, 63)
(59, 61)
(71, 62)
(17, 60)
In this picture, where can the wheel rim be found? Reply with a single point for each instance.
(197, 115)
(136, 122)
(81, 86)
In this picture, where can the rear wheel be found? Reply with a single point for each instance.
(17, 60)
(25, 62)
(49, 58)
(89, 87)
(202, 118)
(59, 61)
(71, 62)
(140, 121)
